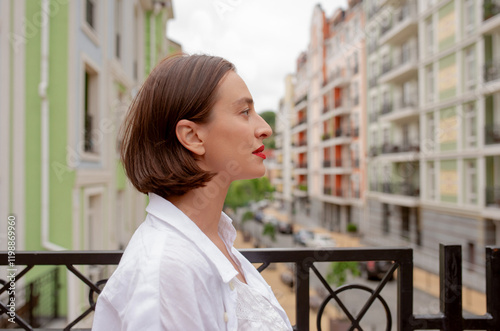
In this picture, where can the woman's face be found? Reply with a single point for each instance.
(234, 133)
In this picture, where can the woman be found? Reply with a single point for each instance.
(191, 131)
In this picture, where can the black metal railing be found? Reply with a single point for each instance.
(406, 189)
(492, 134)
(305, 261)
(493, 196)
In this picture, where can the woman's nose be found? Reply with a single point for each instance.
(263, 129)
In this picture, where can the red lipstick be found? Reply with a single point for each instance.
(259, 151)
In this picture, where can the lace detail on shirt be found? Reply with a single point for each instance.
(254, 311)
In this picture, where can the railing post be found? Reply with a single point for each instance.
(405, 294)
(31, 304)
(56, 292)
(450, 286)
(302, 295)
(493, 286)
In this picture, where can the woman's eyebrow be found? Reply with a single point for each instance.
(242, 101)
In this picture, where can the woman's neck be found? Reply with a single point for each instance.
(203, 206)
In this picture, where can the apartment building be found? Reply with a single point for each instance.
(69, 70)
(283, 180)
(434, 167)
(341, 123)
(327, 122)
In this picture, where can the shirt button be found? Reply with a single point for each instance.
(225, 317)
(231, 285)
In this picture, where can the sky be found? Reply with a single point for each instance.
(263, 38)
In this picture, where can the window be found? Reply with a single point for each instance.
(136, 42)
(356, 93)
(429, 34)
(385, 218)
(469, 72)
(356, 64)
(374, 139)
(90, 13)
(470, 124)
(470, 182)
(430, 84)
(91, 136)
(118, 27)
(406, 53)
(431, 181)
(405, 223)
(469, 16)
(94, 221)
(431, 132)
(406, 136)
(407, 95)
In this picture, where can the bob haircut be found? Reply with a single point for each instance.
(179, 87)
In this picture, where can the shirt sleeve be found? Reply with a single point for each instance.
(191, 296)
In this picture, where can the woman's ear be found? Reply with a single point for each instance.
(188, 134)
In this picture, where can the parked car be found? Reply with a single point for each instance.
(321, 240)
(376, 270)
(285, 228)
(302, 236)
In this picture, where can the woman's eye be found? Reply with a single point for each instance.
(246, 112)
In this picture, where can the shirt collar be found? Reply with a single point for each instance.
(170, 214)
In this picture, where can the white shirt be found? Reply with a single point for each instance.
(173, 277)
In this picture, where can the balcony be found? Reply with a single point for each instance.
(492, 134)
(374, 186)
(490, 9)
(403, 188)
(493, 196)
(340, 132)
(372, 82)
(327, 164)
(405, 24)
(388, 148)
(306, 262)
(300, 100)
(386, 108)
(402, 69)
(403, 111)
(491, 19)
(374, 151)
(325, 136)
(339, 78)
(301, 121)
(386, 67)
(302, 165)
(373, 116)
(355, 132)
(491, 71)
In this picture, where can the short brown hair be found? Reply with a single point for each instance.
(179, 87)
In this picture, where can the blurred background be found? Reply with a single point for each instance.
(386, 119)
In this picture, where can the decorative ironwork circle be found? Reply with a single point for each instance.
(351, 287)
(91, 291)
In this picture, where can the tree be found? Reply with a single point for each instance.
(241, 192)
(270, 117)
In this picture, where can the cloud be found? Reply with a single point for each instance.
(262, 38)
